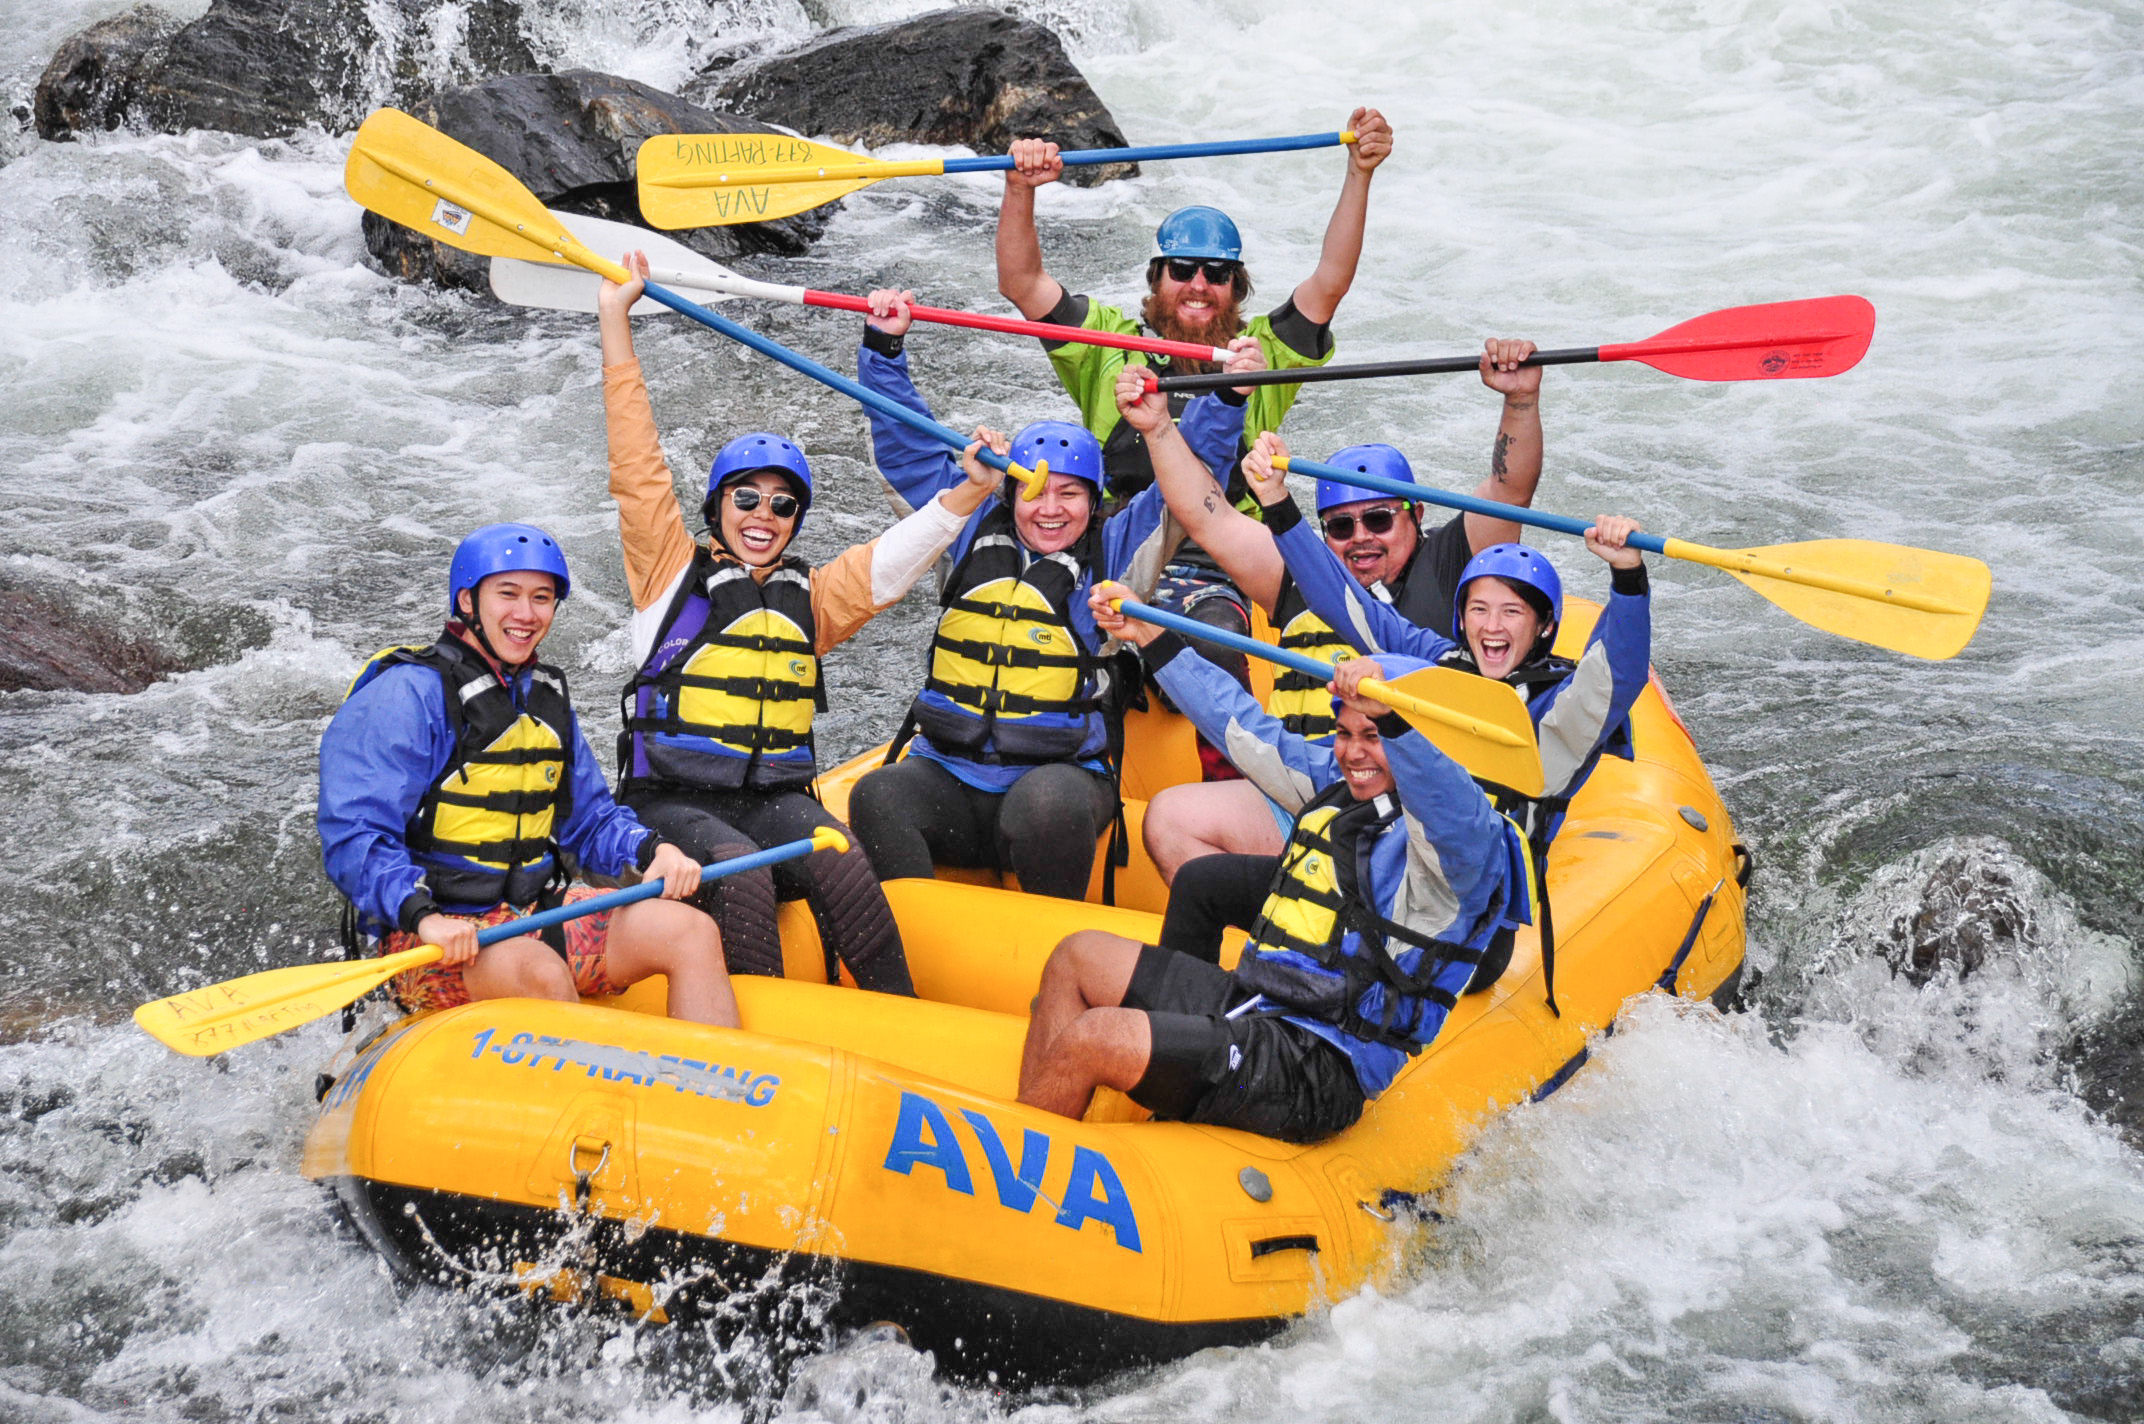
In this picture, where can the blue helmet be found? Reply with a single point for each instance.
(1199, 232)
(1533, 576)
(1068, 446)
(761, 450)
(1380, 460)
(499, 549)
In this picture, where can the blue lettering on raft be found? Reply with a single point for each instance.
(630, 1065)
(923, 1137)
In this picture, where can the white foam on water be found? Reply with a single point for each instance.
(1880, 1201)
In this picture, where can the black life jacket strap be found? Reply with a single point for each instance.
(1006, 655)
(992, 700)
(758, 643)
(1009, 612)
(758, 689)
(511, 803)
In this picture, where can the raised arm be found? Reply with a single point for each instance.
(1319, 295)
(863, 581)
(1239, 543)
(1586, 713)
(1515, 459)
(1022, 280)
(916, 465)
(651, 523)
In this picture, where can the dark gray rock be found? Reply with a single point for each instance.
(95, 78)
(972, 76)
(572, 138)
(48, 647)
(268, 68)
(1972, 906)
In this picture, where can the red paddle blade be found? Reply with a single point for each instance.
(1777, 341)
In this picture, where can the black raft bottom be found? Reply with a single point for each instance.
(795, 1303)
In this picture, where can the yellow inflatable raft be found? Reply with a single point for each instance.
(869, 1146)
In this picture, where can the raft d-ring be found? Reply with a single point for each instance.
(1388, 1217)
(583, 1180)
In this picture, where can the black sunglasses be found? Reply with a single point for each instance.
(1377, 521)
(1218, 273)
(745, 499)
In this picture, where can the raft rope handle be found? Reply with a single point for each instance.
(583, 1182)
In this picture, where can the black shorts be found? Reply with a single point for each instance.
(1256, 1072)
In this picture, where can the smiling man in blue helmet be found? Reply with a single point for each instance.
(1012, 740)
(456, 788)
(717, 751)
(1400, 888)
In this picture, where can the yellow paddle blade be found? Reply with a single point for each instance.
(411, 173)
(1915, 601)
(713, 180)
(1476, 721)
(206, 1021)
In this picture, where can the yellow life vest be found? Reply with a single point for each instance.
(727, 695)
(483, 832)
(1321, 943)
(1010, 680)
(1300, 699)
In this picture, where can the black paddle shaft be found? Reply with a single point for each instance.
(1442, 365)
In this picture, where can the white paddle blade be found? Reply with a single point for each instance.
(539, 284)
(567, 288)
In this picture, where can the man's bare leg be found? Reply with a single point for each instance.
(1102, 1047)
(1089, 969)
(1208, 818)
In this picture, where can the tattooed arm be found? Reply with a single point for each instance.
(1515, 461)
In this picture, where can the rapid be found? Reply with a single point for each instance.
(1876, 1196)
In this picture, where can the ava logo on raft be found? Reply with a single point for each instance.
(923, 1137)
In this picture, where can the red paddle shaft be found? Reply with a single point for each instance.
(944, 316)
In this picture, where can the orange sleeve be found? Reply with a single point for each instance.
(841, 595)
(651, 525)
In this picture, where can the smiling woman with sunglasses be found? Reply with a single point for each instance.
(717, 748)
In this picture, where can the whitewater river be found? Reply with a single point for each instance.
(1866, 1200)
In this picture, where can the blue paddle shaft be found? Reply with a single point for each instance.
(646, 890)
(767, 346)
(989, 163)
(1472, 504)
(1235, 642)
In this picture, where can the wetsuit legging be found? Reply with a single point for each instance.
(855, 922)
(1209, 895)
(915, 814)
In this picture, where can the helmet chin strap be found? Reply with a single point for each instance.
(475, 624)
